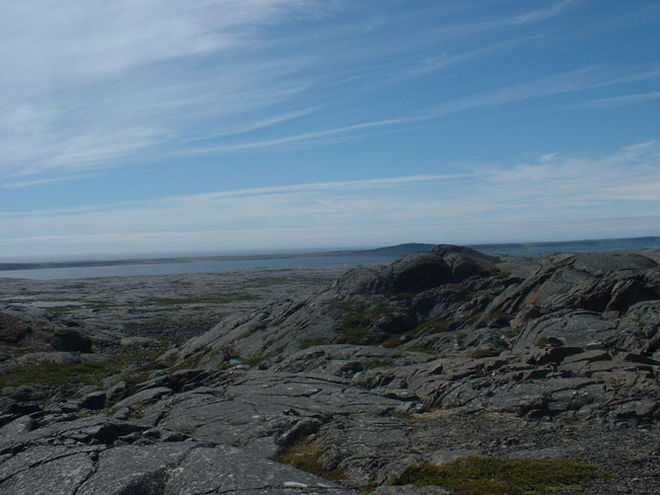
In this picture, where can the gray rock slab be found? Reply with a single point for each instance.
(99, 429)
(22, 424)
(134, 469)
(225, 469)
(592, 355)
(60, 476)
(35, 456)
(257, 410)
(142, 397)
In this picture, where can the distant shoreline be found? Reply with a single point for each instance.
(401, 250)
(398, 250)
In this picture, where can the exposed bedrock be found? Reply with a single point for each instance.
(438, 356)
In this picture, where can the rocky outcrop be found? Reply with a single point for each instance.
(366, 305)
(441, 355)
(453, 302)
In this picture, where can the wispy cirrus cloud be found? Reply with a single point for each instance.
(305, 136)
(549, 196)
(256, 192)
(623, 99)
(562, 83)
(542, 14)
(93, 87)
(90, 84)
(75, 43)
(83, 77)
(517, 19)
(436, 63)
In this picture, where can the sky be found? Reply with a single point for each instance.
(136, 127)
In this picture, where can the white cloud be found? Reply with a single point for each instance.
(297, 138)
(90, 82)
(542, 14)
(96, 39)
(560, 83)
(531, 201)
(623, 99)
(528, 17)
(93, 83)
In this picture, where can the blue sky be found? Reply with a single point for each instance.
(133, 127)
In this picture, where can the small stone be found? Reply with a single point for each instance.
(93, 400)
(294, 484)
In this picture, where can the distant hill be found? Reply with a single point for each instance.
(398, 250)
(568, 246)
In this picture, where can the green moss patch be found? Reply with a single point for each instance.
(255, 359)
(502, 476)
(59, 374)
(483, 352)
(313, 342)
(134, 366)
(359, 319)
(354, 327)
(375, 363)
(498, 316)
(268, 282)
(392, 341)
(434, 325)
(428, 327)
(169, 301)
(305, 456)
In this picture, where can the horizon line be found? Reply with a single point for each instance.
(43, 262)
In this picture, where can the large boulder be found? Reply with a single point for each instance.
(70, 340)
(418, 272)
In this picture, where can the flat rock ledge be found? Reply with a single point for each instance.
(104, 456)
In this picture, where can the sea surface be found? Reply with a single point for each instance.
(200, 266)
(300, 261)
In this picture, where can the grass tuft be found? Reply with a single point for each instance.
(498, 316)
(359, 319)
(58, 374)
(354, 327)
(170, 301)
(502, 476)
(482, 352)
(313, 342)
(305, 456)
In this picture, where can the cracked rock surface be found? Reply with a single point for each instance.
(339, 388)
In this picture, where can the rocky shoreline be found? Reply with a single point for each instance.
(319, 381)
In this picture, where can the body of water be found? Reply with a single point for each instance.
(570, 246)
(300, 261)
(199, 266)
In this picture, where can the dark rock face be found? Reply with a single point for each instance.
(12, 329)
(35, 331)
(443, 354)
(418, 272)
(70, 340)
